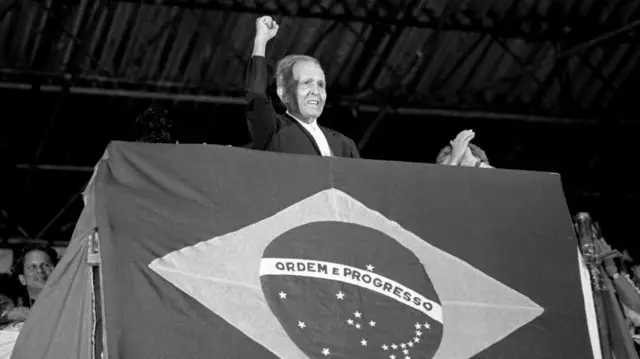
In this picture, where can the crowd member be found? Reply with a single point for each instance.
(12, 316)
(301, 86)
(9, 299)
(625, 283)
(9, 328)
(461, 152)
(33, 267)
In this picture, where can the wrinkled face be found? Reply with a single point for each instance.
(37, 268)
(311, 93)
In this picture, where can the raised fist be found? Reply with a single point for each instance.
(266, 28)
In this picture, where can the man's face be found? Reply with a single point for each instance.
(37, 268)
(311, 92)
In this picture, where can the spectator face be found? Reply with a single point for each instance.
(36, 271)
(311, 92)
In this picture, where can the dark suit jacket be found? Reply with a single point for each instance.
(281, 133)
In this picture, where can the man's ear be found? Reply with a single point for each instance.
(22, 280)
(280, 92)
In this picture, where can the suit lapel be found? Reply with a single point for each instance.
(332, 140)
(309, 135)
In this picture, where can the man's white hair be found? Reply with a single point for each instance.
(284, 74)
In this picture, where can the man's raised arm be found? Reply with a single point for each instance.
(259, 113)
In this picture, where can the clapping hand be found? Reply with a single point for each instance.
(18, 314)
(460, 145)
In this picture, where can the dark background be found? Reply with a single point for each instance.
(546, 87)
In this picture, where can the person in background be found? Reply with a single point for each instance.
(33, 267)
(302, 87)
(625, 284)
(11, 317)
(11, 308)
(461, 152)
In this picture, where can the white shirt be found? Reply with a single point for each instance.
(317, 134)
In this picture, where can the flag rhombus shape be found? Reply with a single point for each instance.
(223, 274)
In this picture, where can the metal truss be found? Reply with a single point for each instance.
(577, 51)
(532, 27)
(56, 14)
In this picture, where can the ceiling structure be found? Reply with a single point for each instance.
(501, 65)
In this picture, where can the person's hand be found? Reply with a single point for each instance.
(266, 28)
(18, 314)
(468, 159)
(460, 145)
(603, 249)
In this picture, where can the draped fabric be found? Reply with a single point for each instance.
(214, 252)
(61, 322)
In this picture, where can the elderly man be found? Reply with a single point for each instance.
(301, 86)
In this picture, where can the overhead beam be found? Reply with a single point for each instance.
(575, 50)
(406, 111)
(17, 242)
(372, 12)
(4, 12)
(63, 168)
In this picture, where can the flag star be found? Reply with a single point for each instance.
(407, 357)
(394, 346)
(402, 345)
(372, 323)
(426, 326)
(405, 351)
(358, 326)
(283, 295)
(370, 267)
(410, 344)
(340, 295)
(363, 342)
(418, 333)
(326, 351)
(350, 321)
(392, 356)
(418, 326)
(301, 325)
(357, 314)
(416, 339)
(385, 347)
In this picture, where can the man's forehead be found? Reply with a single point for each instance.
(37, 256)
(307, 70)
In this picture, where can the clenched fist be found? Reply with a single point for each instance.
(266, 28)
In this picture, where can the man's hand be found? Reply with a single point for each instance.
(459, 146)
(18, 314)
(266, 29)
